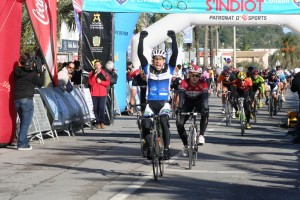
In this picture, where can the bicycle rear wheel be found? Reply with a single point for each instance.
(143, 145)
(154, 153)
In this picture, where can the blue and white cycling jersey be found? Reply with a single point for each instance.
(282, 77)
(158, 83)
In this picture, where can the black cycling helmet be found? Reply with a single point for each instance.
(272, 73)
(250, 68)
(278, 67)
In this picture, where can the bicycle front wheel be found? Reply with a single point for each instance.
(255, 109)
(190, 145)
(271, 108)
(242, 121)
(228, 113)
(154, 154)
(161, 156)
(279, 102)
(143, 144)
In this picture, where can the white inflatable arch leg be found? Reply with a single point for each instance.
(178, 22)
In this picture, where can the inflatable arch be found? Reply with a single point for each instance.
(178, 22)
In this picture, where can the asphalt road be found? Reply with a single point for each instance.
(106, 164)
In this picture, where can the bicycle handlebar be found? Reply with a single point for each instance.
(190, 113)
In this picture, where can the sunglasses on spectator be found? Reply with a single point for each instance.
(195, 75)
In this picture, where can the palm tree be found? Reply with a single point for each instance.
(206, 45)
(197, 43)
(288, 55)
(211, 46)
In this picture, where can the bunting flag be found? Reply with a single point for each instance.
(43, 18)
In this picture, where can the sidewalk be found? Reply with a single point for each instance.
(24, 172)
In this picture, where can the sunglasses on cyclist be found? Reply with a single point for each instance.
(195, 75)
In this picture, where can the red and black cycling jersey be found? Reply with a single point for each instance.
(193, 91)
(243, 85)
(232, 78)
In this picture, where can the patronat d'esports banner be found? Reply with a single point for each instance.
(196, 6)
(96, 38)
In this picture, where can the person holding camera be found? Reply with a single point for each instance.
(26, 78)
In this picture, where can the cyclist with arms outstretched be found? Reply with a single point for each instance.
(158, 76)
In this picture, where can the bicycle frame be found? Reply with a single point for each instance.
(157, 146)
(192, 137)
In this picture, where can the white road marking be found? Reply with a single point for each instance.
(137, 184)
(208, 171)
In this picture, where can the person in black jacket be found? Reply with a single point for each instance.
(26, 79)
(296, 88)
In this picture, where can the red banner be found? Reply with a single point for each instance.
(44, 21)
(10, 34)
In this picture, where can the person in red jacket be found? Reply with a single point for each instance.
(99, 81)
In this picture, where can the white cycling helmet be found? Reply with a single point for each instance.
(158, 52)
(296, 70)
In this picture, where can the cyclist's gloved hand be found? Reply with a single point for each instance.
(171, 33)
(143, 34)
(178, 111)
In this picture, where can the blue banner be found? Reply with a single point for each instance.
(124, 26)
(196, 6)
(60, 116)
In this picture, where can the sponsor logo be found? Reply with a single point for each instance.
(121, 2)
(40, 11)
(96, 19)
(96, 23)
(5, 86)
(244, 18)
(234, 5)
(96, 41)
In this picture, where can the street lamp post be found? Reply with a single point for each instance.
(234, 47)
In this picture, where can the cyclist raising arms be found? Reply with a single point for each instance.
(193, 93)
(258, 86)
(244, 88)
(158, 76)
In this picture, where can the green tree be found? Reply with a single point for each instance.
(65, 13)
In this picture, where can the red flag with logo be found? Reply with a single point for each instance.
(43, 17)
(10, 34)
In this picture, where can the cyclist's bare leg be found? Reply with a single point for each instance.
(132, 98)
